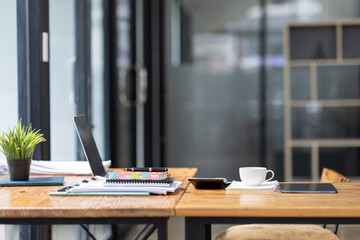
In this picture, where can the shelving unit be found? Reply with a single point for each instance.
(314, 45)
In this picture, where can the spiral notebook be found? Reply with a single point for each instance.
(98, 186)
(138, 182)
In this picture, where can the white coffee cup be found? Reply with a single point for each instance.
(254, 176)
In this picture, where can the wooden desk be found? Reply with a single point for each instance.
(205, 207)
(33, 205)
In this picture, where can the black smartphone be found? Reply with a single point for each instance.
(209, 183)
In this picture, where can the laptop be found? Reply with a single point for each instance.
(88, 144)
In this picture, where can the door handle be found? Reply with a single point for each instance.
(140, 84)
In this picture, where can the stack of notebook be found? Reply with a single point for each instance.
(125, 183)
(130, 181)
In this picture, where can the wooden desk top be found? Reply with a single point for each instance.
(219, 203)
(35, 202)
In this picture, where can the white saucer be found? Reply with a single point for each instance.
(269, 186)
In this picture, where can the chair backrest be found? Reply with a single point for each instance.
(329, 175)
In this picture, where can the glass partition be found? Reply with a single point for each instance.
(212, 88)
(62, 59)
(8, 85)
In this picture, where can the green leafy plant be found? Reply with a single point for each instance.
(19, 142)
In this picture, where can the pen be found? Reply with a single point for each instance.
(149, 169)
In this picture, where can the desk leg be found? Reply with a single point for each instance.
(162, 229)
(196, 229)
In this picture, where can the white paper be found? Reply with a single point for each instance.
(64, 167)
(98, 186)
(237, 186)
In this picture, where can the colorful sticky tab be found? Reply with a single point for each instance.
(135, 176)
(113, 175)
(122, 175)
(154, 177)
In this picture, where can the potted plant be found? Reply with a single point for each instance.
(18, 145)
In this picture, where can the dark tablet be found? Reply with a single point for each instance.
(209, 183)
(307, 188)
(34, 181)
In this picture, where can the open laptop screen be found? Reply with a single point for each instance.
(88, 143)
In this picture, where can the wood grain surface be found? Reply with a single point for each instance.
(35, 202)
(219, 203)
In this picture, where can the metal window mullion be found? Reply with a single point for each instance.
(33, 72)
(23, 60)
(132, 83)
(262, 84)
(110, 83)
(33, 84)
(139, 61)
(82, 74)
(153, 60)
(162, 87)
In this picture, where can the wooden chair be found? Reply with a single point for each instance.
(285, 231)
(329, 175)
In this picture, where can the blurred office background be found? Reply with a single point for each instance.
(181, 83)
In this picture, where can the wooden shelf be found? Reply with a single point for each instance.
(325, 62)
(325, 143)
(346, 22)
(326, 103)
(332, 43)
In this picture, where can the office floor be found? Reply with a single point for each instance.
(177, 227)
